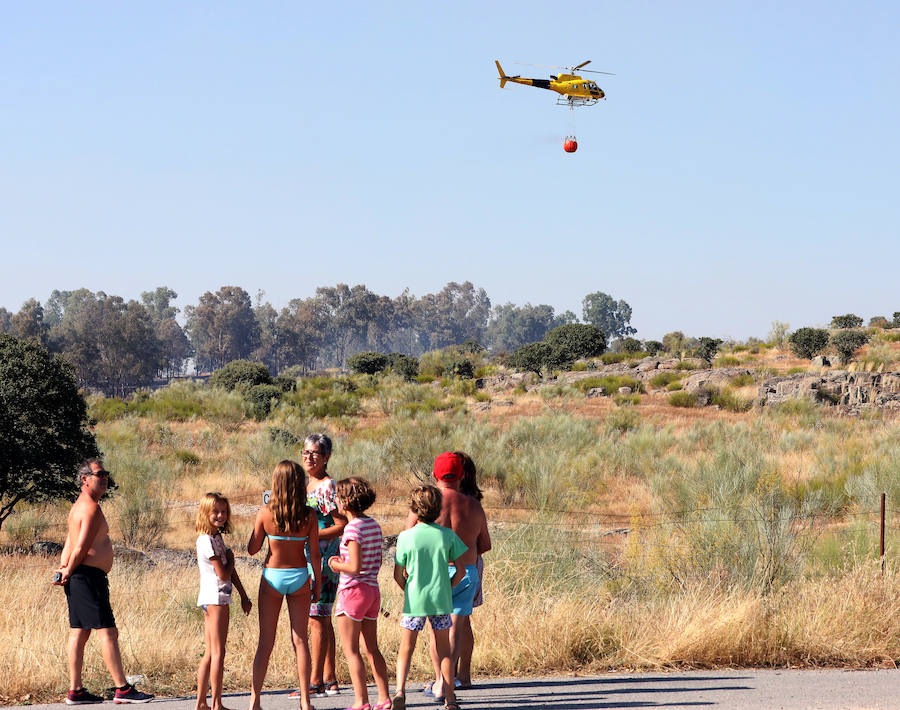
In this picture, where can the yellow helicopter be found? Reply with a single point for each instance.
(573, 90)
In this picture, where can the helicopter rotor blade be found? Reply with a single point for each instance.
(568, 69)
(545, 66)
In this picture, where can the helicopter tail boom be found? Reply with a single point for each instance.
(503, 76)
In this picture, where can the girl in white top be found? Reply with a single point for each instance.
(217, 575)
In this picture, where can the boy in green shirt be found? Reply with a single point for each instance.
(420, 568)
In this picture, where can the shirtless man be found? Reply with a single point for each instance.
(465, 516)
(86, 559)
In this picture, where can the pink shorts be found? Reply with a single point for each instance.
(360, 602)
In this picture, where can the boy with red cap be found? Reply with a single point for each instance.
(464, 516)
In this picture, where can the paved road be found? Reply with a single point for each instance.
(717, 690)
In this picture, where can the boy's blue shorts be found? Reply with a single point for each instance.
(464, 592)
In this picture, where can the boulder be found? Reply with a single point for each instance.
(717, 377)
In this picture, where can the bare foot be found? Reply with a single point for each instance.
(201, 706)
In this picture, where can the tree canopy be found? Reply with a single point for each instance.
(44, 430)
(611, 316)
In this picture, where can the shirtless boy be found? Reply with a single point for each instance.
(464, 516)
(87, 557)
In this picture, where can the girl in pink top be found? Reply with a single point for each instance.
(358, 597)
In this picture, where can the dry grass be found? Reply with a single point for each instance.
(850, 619)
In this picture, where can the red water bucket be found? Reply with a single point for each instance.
(570, 145)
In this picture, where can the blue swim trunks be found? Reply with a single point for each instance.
(464, 592)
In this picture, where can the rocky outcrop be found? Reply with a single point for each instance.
(718, 378)
(500, 383)
(850, 390)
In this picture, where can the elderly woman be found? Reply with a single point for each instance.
(320, 496)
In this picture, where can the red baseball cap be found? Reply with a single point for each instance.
(448, 467)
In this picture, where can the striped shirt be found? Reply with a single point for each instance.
(367, 533)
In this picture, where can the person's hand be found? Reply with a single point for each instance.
(331, 561)
(229, 556)
(316, 592)
(60, 577)
(246, 605)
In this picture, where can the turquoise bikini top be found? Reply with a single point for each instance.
(283, 537)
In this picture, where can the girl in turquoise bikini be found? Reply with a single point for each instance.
(288, 525)
(320, 496)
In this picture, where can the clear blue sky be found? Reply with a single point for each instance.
(743, 169)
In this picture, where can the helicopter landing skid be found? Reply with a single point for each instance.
(573, 102)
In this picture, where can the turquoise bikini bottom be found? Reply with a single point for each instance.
(286, 580)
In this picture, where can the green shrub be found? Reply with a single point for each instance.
(463, 388)
(622, 420)
(664, 378)
(848, 320)
(580, 366)
(577, 340)
(142, 520)
(683, 399)
(187, 458)
(284, 437)
(808, 342)
(106, 409)
(460, 367)
(626, 399)
(337, 404)
(847, 342)
(404, 365)
(795, 370)
(177, 404)
(727, 361)
(879, 322)
(368, 363)
(613, 358)
(241, 374)
(425, 379)
(727, 399)
(285, 383)
(674, 386)
(742, 380)
(688, 365)
(707, 348)
(533, 357)
(260, 398)
(653, 347)
(631, 345)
